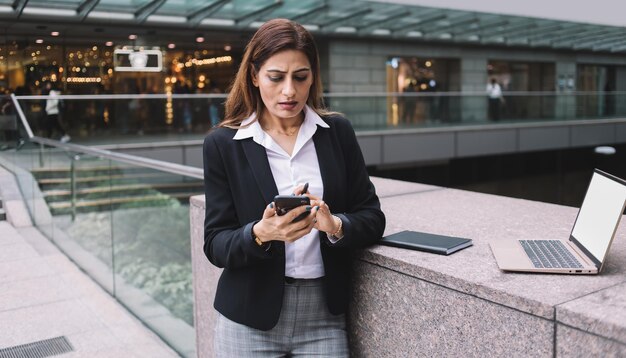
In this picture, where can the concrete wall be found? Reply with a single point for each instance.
(411, 146)
(410, 303)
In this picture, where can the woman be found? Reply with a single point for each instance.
(285, 285)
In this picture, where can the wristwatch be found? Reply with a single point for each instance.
(264, 245)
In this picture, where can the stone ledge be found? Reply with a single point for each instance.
(602, 313)
(469, 277)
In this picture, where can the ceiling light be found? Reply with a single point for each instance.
(39, 41)
(48, 11)
(6, 8)
(171, 46)
(168, 19)
(111, 15)
(227, 48)
(109, 43)
(414, 34)
(218, 22)
(199, 39)
(345, 29)
(381, 32)
(54, 33)
(311, 27)
(132, 37)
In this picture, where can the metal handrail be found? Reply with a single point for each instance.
(125, 158)
(326, 95)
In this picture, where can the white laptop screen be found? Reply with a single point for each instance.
(599, 214)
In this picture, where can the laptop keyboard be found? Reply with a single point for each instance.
(549, 253)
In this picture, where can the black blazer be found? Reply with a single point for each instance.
(239, 185)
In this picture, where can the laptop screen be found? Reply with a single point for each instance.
(599, 214)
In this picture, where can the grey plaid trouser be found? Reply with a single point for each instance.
(305, 328)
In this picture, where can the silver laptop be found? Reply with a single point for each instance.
(586, 250)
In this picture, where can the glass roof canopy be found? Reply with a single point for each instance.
(360, 18)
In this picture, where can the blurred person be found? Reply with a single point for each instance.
(10, 122)
(53, 122)
(496, 100)
(410, 102)
(284, 290)
(214, 107)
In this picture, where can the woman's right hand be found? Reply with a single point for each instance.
(282, 228)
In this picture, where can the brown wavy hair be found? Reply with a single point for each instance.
(272, 37)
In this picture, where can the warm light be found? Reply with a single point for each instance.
(60, 69)
(39, 41)
(428, 63)
(167, 80)
(227, 48)
(48, 47)
(53, 77)
(108, 43)
(132, 37)
(54, 33)
(95, 48)
(84, 79)
(171, 46)
(110, 71)
(210, 61)
(423, 86)
(201, 85)
(201, 78)
(173, 79)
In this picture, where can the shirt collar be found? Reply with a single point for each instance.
(254, 130)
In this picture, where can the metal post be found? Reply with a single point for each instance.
(73, 185)
(41, 148)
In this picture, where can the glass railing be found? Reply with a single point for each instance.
(105, 119)
(123, 219)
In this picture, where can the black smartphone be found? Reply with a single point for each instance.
(284, 203)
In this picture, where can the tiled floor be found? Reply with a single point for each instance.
(44, 295)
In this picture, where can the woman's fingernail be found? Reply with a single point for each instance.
(271, 205)
(317, 207)
(308, 208)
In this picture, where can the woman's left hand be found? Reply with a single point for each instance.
(325, 220)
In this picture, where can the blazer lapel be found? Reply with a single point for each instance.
(326, 159)
(257, 159)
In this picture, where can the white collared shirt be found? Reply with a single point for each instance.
(303, 258)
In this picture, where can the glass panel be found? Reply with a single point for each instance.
(75, 191)
(183, 116)
(152, 250)
(121, 5)
(124, 225)
(57, 4)
(183, 7)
